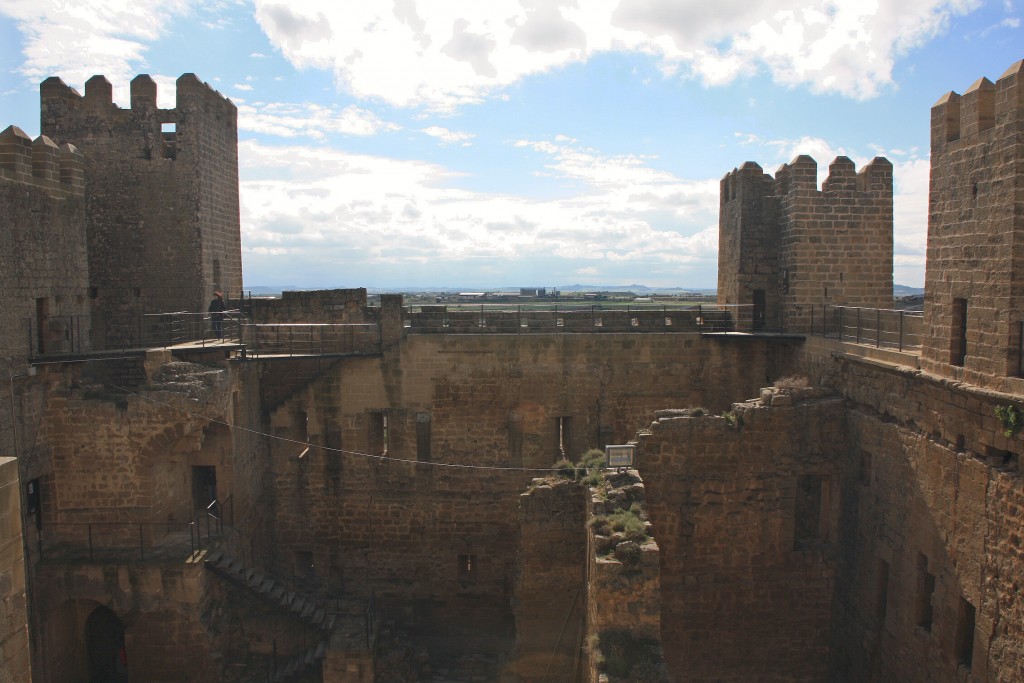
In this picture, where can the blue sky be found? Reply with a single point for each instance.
(403, 143)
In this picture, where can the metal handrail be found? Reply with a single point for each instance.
(881, 327)
(137, 530)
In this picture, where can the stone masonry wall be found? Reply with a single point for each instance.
(975, 278)
(14, 650)
(405, 530)
(549, 589)
(745, 511)
(931, 507)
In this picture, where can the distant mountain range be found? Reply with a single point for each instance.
(265, 290)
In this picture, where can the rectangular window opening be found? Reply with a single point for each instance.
(807, 526)
(965, 634)
(881, 590)
(865, 468)
(958, 333)
(378, 433)
(925, 591)
(564, 435)
(423, 437)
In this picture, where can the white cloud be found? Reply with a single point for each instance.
(389, 217)
(443, 55)
(113, 33)
(310, 120)
(448, 136)
(242, 86)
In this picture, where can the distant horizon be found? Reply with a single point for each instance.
(515, 288)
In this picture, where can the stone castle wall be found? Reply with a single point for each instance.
(931, 502)
(975, 276)
(745, 509)
(402, 529)
(14, 641)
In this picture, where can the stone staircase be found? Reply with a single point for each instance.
(271, 590)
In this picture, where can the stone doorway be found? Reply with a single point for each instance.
(204, 486)
(104, 638)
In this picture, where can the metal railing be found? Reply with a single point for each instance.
(121, 542)
(75, 334)
(309, 339)
(590, 318)
(879, 327)
(135, 541)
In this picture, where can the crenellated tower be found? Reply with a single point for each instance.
(974, 282)
(43, 262)
(785, 246)
(162, 208)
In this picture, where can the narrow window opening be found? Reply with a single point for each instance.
(881, 590)
(925, 591)
(42, 313)
(34, 502)
(468, 568)
(965, 634)
(167, 128)
(807, 512)
(378, 433)
(423, 437)
(961, 443)
(564, 436)
(958, 340)
(304, 563)
(865, 468)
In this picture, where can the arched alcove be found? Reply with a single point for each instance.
(104, 640)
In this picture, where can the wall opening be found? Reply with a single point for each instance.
(378, 433)
(563, 436)
(925, 591)
(42, 313)
(34, 502)
(965, 634)
(958, 339)
(468, 568)
(881, 590)
(760, 309)
(810, 513)
(216, 274)
(423, 437)
(304, 563)
(865, 468)
(204, 486)
(104, 638)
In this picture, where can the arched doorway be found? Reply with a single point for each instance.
(104, 638)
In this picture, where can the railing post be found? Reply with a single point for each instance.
(878, 328)
(142, 546)
(90, 542)
(901, 330)
(858, 324)
(840, 323)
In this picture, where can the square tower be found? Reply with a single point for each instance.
(162, 209)
(974, 282)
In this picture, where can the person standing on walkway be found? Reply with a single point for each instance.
(216, 311)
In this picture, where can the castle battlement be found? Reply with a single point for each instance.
(801, 176)
(68, 114)
(984, 106)
(41, 162)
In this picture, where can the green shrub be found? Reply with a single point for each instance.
(565, 469)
